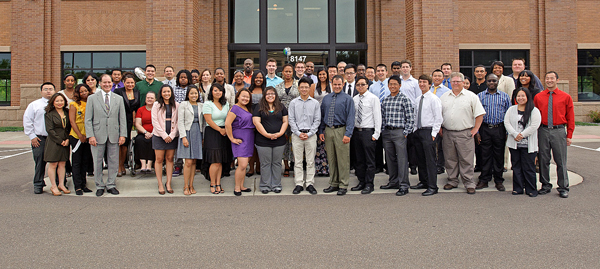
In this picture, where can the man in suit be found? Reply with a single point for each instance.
(106, 129)
(350, 75)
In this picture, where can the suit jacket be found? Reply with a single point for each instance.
(105, 126)
(129, 108)
(56, 132)
(185, 117)
(354, 91)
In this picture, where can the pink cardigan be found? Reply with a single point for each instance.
(158, 121)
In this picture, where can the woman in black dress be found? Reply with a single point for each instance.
(56, 150)
(131, 99)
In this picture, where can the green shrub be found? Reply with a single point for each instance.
(595, 116)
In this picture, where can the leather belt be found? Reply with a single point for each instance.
(493, 125)
(425, 128)
(336, 126)
(392, 128)
(305, 131)
(364, 129)
(554, 126)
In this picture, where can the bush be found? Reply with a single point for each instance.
(595, 116)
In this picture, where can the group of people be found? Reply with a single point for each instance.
(322, 122)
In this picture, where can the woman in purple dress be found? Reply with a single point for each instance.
(240, 131)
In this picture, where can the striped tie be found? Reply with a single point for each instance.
(330, 114)
(360, 111)
(106, 102)
(381, 91)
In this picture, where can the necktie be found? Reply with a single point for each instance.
(350, 89)
(550, 121)
(420, 112)
(106, 102)
(381, 92)
(360, 111)
(435, 89)
(330, 114)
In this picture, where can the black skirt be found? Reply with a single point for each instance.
(159, 144)
(217, 147)
(143, 148)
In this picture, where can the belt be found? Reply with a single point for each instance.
(364, 129)
(392, 128)
(41, 136)
(426, 128)
(554, 126)
(305, 131)
(493, 125)
(336, 126)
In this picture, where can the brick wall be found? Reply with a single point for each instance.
(588, 24)
(5, 21)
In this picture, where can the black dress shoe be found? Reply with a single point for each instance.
(389, 186)
(441, 171)
(563, 194)
(331, 189)
(543, 191)
(419, 186)
(358, 187)
(85, 189)
(79, 192)
(264, 191)
(99, 192)
(477, 169)
(413, 171)
(429, 192)
(38, 190)
(277, 191)
(297, 189)
(481, 185)
(311, 189)
(113, 191)
(367, 190)
(402, 192)
(342, 191)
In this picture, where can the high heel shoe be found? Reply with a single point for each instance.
(169, 191)
(221, 190)
(55, 192)
(214, 191)
(64, 190)
(192, 190)
(161, 192)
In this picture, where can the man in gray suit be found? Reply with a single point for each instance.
(106, 129)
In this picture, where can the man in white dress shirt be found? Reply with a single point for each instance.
(367, 129)
(428, 122)
(34, 127)
(410, 88)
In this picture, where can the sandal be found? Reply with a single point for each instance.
(213, 189)
(286, 173)
(221, 190)
(186, 190)
(192, 190)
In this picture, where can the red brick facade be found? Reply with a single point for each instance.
(194, 33)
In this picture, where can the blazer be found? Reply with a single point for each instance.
(185, 117)
(56, 133)
(511, 121)
(102, 124)
(159, 115)
(129, 108)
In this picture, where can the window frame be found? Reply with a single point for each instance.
(103, 70)
(8, 85)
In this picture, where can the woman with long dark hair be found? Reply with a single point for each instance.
(521, 122)
(526, 80)
(257, 87)
(218, 146)
(56, 150)
(271, 122)
(82, 154)
(91, 80)
(165, 132)
(240, 131)
(321, 90)
(229, 91)
(131, 99)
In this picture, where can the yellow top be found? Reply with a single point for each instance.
(79, 118)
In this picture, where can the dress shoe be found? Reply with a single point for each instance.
(113, 191)
(388, 186)
(543, 191)
(38, 190)
(500, 187)
(441, 171)
(477, 169)
(419, 186)
(311, 189)
(429, 192)
(264, 191)
(86, 189)
(358, 187)
(249, 174)
(402, 192)
(470, 191)
(563, 194)
(55, 192)
(64, 189)
(413, 170)
(331, 189)
(481, 185)
(247, 190)
(277, 191)
(169, 191)
(78, 192)
(448, 187)
(367, 190)
(99, 192)
(297, 189)
(237, 193)
(342, 191)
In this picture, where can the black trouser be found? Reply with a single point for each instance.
(523, 165)
(40, 164)
(478, 157)
(425, 149)
(364, 147)
(440, 161)
(492, 144)
(81, 160)
(352, 153)
(379, 160)
(411, 151)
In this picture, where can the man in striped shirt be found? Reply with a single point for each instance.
(492, 134)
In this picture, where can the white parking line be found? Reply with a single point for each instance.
(8, 150)
(21, 153)
(598, 149)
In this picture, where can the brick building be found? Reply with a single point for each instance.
(43, 40)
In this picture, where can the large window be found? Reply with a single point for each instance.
(80, 63)
(588, 75)
(471, 58)
(5, 79)
(322, 31)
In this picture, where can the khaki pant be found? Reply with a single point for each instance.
(338, 155)
(303, 148)
(459, 151)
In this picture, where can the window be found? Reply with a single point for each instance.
(470, 58)
(5, 79)
(246, 23)
(80, 63)
(588, 75)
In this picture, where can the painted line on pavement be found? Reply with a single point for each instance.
(11, 150)
(6, 157)
(598, 149)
